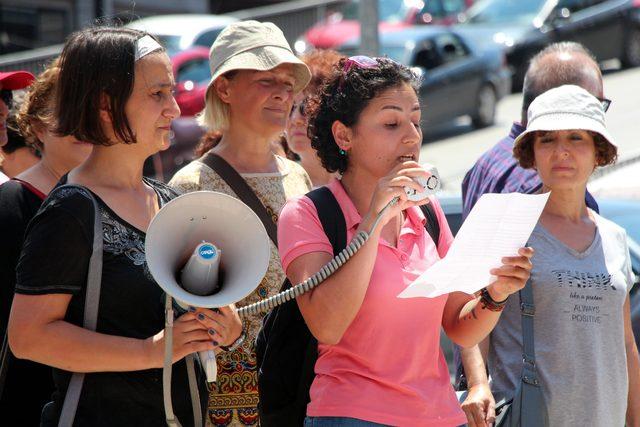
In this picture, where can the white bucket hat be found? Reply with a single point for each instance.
(564, 108)
(253, 45)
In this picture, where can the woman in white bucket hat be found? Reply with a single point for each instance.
(586, 358)
(255, 77)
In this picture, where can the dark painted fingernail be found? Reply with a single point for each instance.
(211, 332)
(215, 343)
(217, 310)
(192, 309)
(200, 316)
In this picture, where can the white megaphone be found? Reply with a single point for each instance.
(207, 249)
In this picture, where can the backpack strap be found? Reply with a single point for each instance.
(244, 192)
(432, 225)
(335, 228)
(331, 217)
(527, 311)
(92, 301)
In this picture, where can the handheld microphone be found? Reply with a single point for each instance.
(429, 185)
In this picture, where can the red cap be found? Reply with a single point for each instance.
(14, 80)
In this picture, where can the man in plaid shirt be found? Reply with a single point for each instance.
(497, 171)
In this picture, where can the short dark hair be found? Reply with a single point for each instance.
(343, 97)
(95, 62)
(544, 75)
(606, 153)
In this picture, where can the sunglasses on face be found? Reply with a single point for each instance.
(7, 97)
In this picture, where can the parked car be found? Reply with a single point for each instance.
(609, 28)
(192, 73)
(181, 32)
(343, 25)
(458, 78)
(618, 181)
(617, 190)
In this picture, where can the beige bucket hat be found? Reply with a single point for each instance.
(253, 45)
(564, 108)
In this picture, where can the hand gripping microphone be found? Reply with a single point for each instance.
(430, 186)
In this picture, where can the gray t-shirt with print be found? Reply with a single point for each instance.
(578, 329)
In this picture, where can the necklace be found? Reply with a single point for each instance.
(56, 177)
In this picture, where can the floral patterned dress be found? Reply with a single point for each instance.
(233, 400)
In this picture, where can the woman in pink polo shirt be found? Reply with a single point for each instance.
(379, 358)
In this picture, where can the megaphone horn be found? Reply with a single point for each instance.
(183, 224)
(201, 236)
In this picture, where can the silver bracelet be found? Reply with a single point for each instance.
(237, 343)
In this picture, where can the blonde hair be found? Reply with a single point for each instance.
(215, 115)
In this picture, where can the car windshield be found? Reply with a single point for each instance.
(397, 53)
(443, 8)
(500, 11)
(388, 10)
(197, 71)
(171, 43)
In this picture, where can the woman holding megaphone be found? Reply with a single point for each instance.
(255, 77)
(379, 358)
(114, 91)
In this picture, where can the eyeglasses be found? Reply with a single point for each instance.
(606, 103)
(301, 107)
(361, 61)
(358, 61)
(7, 97)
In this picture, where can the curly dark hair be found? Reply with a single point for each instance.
(321, 63)
(37, 109)
(606, 153)
(343, 97)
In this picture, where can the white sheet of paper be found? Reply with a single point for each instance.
(498, 225)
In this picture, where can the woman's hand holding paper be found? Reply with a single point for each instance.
(512, 275)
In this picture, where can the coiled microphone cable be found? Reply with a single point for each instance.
(325, 272)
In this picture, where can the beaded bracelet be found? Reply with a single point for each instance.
(489, 303)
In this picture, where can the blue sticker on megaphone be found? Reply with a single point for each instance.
(207, 251)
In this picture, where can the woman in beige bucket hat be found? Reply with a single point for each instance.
(255, 77)
(586, 359)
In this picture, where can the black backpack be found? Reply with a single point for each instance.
(286, 350)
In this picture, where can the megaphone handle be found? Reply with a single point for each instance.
(326, 271)
(170, 417)
(209, 363)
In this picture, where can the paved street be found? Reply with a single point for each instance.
(458, 146)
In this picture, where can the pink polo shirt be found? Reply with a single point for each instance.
(388, 367)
